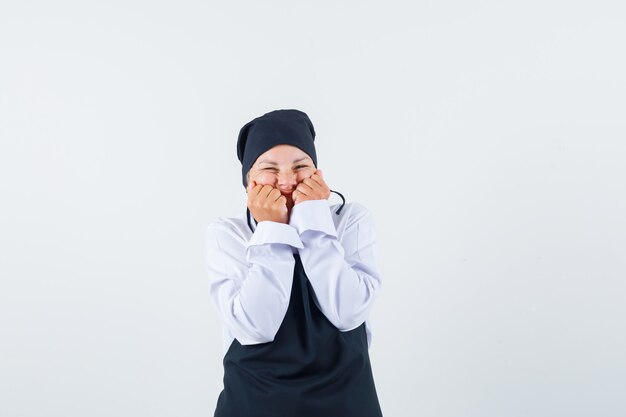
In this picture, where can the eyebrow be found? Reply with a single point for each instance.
(264, 161)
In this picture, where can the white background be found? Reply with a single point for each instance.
(487, 138)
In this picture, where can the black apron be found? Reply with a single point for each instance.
(311, 369)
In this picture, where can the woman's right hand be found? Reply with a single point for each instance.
(267, 203)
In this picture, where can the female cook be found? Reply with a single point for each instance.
(293, 283)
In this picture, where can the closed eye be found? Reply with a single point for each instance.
(274, 169)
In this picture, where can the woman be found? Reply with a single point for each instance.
(293, 284)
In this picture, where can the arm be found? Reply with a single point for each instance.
(343, 274)
(250, 282)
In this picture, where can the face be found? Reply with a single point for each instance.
(282, 167)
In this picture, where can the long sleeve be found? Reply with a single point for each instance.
(250, 281)
(344, 275)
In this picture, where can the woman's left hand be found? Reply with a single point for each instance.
(312, 188)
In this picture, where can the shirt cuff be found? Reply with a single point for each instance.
(313, 215)
(274, 232)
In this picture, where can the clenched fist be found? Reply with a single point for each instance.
(312, 188)
(267, 203)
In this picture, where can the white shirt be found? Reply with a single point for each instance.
(250, 274)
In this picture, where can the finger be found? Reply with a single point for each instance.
(265, 191)
(304, 189)
(274, 195)
(318, 180)
(308, 185)
(255, 188)
(260, 192)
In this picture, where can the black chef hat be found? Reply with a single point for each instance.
(285, 126)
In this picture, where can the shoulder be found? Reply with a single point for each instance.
(352, 211)
(352, 215)
(349, 208)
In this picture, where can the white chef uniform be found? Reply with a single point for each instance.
(250, 274)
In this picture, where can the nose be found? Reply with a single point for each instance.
(287, 180)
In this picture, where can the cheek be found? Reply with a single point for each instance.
(265, 178)
(302, 175)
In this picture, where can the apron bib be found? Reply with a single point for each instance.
(311, 369)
